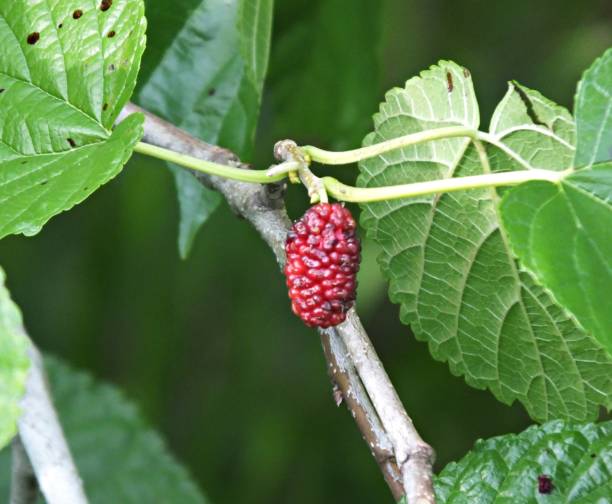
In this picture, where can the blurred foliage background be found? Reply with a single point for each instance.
(208, 347)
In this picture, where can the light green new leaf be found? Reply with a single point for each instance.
(14, 364)
(593, 111)
(564, 234)
(448, 261)
(66, 70)
(575, 459)
(208, 80)
(120, 458)
(254, 30)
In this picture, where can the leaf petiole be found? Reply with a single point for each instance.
(344, 192)
(230, 172)
(352, 156)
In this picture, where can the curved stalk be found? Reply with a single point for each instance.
(345, 192)
(317, 187)
(352, 156)
(208, 167)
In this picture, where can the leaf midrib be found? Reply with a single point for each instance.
(537, 129)
(8, 24)
(61, 100)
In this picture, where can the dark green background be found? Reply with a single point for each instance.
(208, 347)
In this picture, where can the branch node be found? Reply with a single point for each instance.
(288, 150)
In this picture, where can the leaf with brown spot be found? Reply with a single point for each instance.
(548, 463)
(53, 113)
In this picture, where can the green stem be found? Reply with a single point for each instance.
(315, 186)
(351, 156)
(254, 176)
(344, 192)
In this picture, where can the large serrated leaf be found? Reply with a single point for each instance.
(448, 261)
(118, 456)
(221, 49)
(554, 462)
(14, 364)
(66, 70)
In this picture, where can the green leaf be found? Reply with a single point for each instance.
(66, 70)
(529, 132)
(208, 80)
(448, 261)
(593, 111)
(118, 456)
(562, 234)
(201, 81)
(254, 30)
(196, 204)
(575, 458)
(14, 363)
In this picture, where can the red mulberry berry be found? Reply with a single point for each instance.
(322, 263)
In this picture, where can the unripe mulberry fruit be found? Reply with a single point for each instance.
(322, 263)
